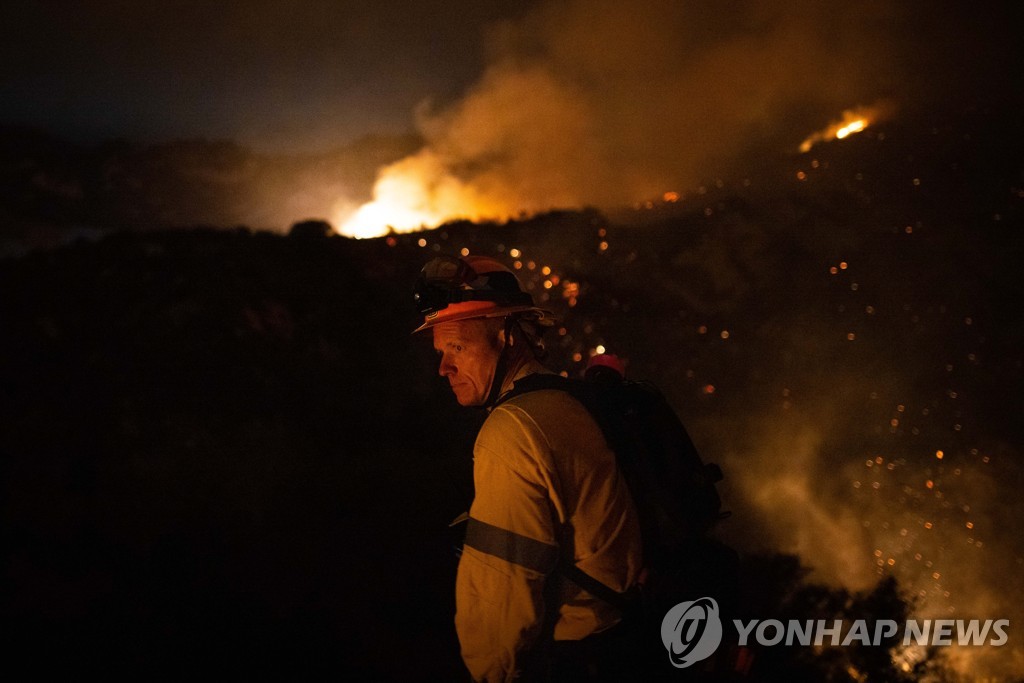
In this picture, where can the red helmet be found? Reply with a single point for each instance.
(450, 289)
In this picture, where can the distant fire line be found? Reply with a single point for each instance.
(853, 121)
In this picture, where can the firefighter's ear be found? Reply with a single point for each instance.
(499, 333)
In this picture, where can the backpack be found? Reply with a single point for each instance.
(672, 488)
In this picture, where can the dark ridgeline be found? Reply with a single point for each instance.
(222, 451)
(52, 190)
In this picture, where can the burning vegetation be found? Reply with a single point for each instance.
(852, 121)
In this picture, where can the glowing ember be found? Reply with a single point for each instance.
(853, 121)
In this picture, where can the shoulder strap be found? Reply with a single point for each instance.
(538, 381)
(624, 602)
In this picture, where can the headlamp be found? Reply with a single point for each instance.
(446, 280)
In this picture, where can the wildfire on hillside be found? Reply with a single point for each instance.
(413, 194)
(852, 121)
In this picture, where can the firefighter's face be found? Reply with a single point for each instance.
(469, 351)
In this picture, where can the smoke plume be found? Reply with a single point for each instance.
(606, 104)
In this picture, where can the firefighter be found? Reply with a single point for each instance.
(547, 492)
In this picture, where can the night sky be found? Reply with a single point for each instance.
(311, 75)
(276, 75)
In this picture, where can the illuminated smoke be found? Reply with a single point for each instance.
(783, 484)
(855, 509)
(606, 103)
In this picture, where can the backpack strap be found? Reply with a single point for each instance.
(538, 381)
(624, 602)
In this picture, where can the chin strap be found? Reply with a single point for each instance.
(501, 367)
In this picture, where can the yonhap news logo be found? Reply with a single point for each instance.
(692, 631)
(839, 633)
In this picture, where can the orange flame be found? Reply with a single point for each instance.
(416, 193)
(853, 121)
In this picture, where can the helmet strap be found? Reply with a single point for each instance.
(501, 367)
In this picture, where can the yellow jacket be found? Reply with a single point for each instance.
(546, 483)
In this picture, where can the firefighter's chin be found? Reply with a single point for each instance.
(465, 395)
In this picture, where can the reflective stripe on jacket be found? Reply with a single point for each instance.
(546, 483)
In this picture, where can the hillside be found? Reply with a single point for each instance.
(224, 446)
